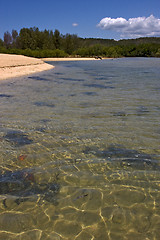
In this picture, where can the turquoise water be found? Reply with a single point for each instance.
(80, 155)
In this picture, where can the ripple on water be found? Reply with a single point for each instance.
(67, 229)
(16, 222)
(89, 167)
(100, 86)
(127, 197)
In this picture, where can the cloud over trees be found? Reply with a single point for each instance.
(133, 27)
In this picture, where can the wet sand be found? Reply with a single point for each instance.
(18, 65)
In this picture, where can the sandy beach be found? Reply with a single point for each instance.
(67, 59)
(18, 65)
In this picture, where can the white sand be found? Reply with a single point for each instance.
(17, 65)
(67, 59)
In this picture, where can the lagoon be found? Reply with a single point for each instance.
(80, 155)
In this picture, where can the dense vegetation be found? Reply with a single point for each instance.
(36, 43)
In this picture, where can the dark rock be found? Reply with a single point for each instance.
(142, 110)
(57, 73)
(44, 104)
(94, 85)
(98, 57)
(39, 78)
(5, 96)
(22, 185)
(122, 157)
(120, 114)
(72, 80)
(17, 138)
(90, 93)
(41, 129)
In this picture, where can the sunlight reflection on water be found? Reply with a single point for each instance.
(80, 154)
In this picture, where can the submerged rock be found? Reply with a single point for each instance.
(120, 114)
(17, 138)
(90, 93)
(100, 86)
(22, 185)
(39, 78)
(125, 157)
(44, 104)
(72, 80)
(142, 110)
(5, 95)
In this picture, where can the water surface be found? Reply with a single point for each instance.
(80, 156)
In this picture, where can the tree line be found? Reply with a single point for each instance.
(36, 43)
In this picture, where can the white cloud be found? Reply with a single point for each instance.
(133, 27)
(74, 24)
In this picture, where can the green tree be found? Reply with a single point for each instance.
(57, 39)
(36, 38)
(1, 43)
(14, 38)
(30, 38)
(68, 44)
(7, 39)
(51, 40)
(25, 39)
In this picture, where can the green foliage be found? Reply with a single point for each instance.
(36, 53)
(14, 38)
(70, 43)
(157, 53)
(114, 52)
(57, 39)
(36, 43)
(1, 43)
(141, 50)
(7, 39)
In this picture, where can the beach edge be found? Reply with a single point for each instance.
(12, 65)
(17, 65)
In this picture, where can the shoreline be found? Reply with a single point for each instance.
(68, 59)
(12, 65)
(17, 65)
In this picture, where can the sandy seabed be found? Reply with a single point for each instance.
(18, 65)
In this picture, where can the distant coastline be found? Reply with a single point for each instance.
(69, 59)
(33, 42)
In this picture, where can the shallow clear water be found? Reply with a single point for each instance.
(80, 152)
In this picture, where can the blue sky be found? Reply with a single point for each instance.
(93, 18)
